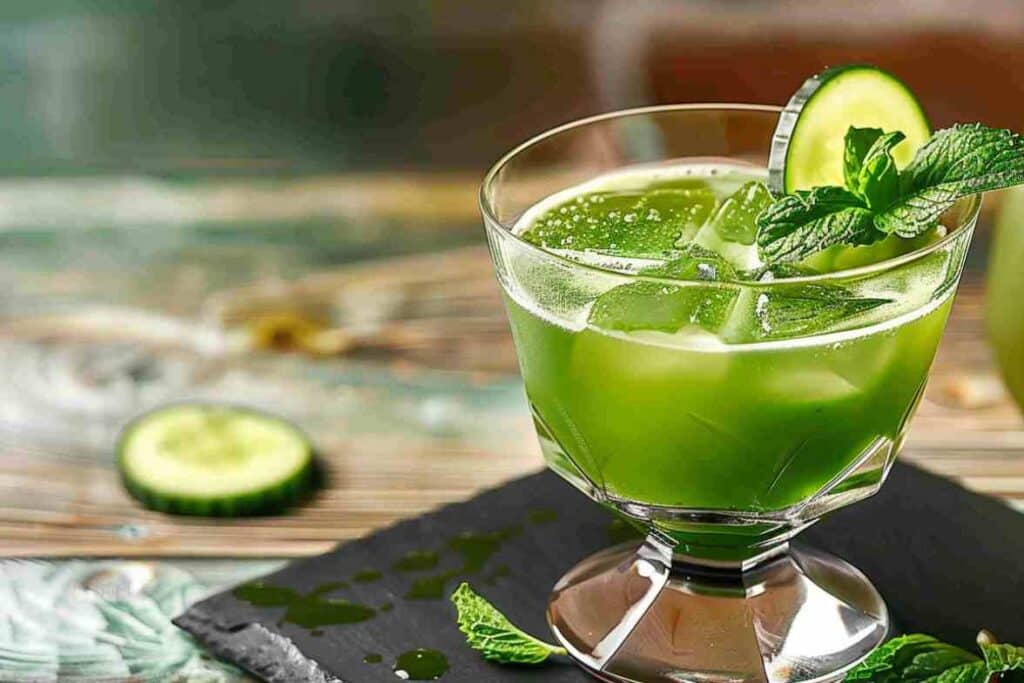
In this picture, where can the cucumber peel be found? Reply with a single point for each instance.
(807, 147)
(214, 460)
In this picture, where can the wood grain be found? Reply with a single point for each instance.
(57, 502)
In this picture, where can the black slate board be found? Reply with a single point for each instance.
(947, 561)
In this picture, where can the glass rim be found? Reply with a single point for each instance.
(973, 205)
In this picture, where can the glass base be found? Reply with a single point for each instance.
(640, 615)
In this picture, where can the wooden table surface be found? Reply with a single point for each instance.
(428, 410)
(413, 398)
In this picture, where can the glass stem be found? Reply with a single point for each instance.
(652, 562)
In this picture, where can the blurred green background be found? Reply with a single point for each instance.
(377, 85)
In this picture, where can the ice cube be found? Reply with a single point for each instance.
(739, 256)
(645, 362)
(730, 232)
(736, 219)
(806, 382)
(694, 263)
(662, 307)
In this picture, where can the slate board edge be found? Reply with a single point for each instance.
(241, 645)
(254, 648)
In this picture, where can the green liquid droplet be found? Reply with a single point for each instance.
(312, 612)
(260, 594)
(417, 560)
(326, 588)
(430, 587)
(386, 607)
(475, 548)
(542, 516)
(307, 611)
(373, 658)
(366, 576)
(421, 665)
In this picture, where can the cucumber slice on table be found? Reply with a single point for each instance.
(196, 459)
(807, 148)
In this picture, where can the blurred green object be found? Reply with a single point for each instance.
(1005, 296)
(160, 86)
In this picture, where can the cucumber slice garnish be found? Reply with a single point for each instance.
(807, 148)
(221, 461)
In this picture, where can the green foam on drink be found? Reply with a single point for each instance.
(634, 223)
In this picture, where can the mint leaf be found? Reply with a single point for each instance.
(793, 311)
(922, 659)
(807, 222)
(912, 658)
(661, 307)
(975, 672)
(857, 143)
(868, 167)
(878, 181)
(955, 162)
(1001, 658)
(926, 665)
(488, 631)
(786, 311)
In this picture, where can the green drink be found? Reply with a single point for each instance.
(756, 428)
(735, 392)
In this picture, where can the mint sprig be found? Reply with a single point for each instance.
(1003, 658)
(919, 658)
(915, 657)
(880, 200)
(493, 635)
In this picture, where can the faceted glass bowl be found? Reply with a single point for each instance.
(720, 452)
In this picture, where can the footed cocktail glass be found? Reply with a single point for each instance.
(721, 452)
